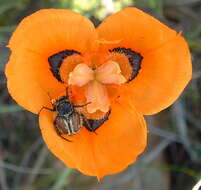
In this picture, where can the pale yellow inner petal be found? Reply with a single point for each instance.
(96, 93)
(110, 73)
(81, 75)
(97, 97)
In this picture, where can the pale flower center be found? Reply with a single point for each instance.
(96, 94)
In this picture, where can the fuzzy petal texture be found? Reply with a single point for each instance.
(37, 37)
(117, 143)
(166, 65)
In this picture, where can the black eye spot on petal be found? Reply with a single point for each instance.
(55, 62)
(96, 123)
(134, 58)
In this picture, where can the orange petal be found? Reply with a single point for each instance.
(36, 38)
(164, 74)
(134, 29)
(49, 31)
(68, 66)
(117, 144)
(166, 65)
(27, 84)
(97, 96)
(81, 75)
(110, 73)
(120, 139)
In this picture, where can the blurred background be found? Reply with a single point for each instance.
(172, 160)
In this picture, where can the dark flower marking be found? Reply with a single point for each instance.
(134, 58)
(55, 62)
(96, 123)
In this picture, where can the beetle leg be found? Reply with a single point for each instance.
(59, 134)
(50, 109)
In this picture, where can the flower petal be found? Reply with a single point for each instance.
(110, 73)
(108, 68)
(97, 97)
(81, 75)
(164, 74)
(135, 29)
(26, 82)
(50, 31)
(114, 79)
(37, 37)
(120, 140)
(166, 64)
(99, 155)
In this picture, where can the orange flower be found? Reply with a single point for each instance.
(130, 66)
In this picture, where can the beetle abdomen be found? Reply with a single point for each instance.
(69, 125)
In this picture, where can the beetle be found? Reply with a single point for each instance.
(68, 120)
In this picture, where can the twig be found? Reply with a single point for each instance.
(180, 2)
(25, 170)
(25, 161)
(179, 115)
(38, 164)
(197, 75)
(146, 160)
(165, 134)
(136, 170)
(3, 182)
(196, 122)
(156, 151)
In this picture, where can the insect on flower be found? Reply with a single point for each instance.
(129, 66)
(68, 120)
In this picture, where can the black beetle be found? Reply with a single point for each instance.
(68, 120)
